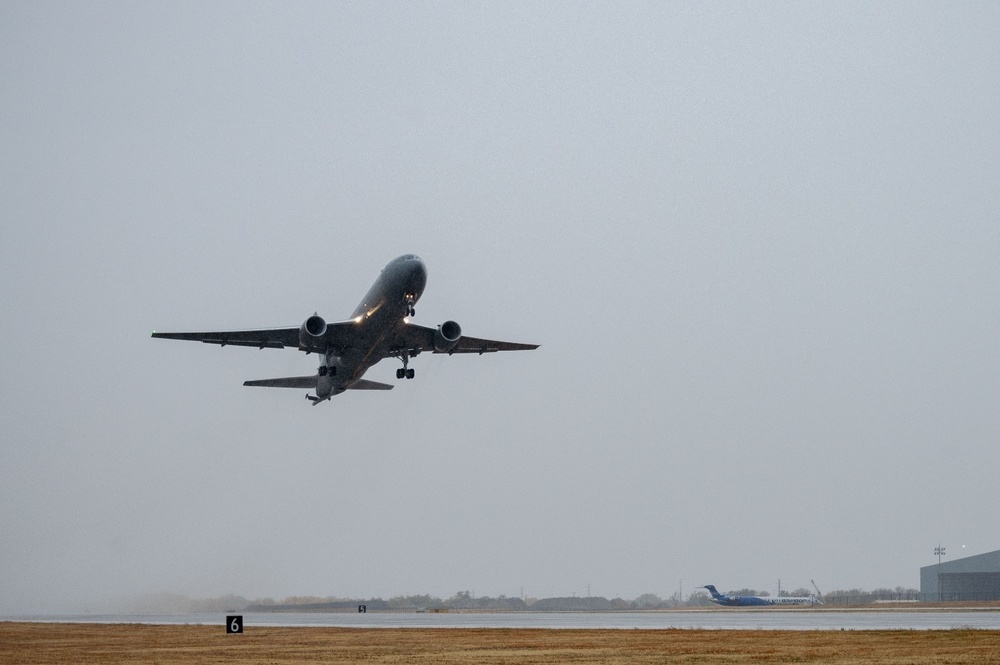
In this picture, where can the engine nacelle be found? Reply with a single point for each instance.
(312, 332)
(447, 336)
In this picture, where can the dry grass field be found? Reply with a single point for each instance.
(38, 643)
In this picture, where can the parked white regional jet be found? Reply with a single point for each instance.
(379, 328)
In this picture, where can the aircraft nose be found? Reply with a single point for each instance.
(418, 274)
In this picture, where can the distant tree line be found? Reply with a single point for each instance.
(467, 601)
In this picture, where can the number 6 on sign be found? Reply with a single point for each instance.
(234, 623)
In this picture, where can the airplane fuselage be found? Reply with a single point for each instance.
(793, 600)
(742, 601)
(751, 601)
(379, 315)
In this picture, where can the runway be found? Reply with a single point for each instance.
(751, 619)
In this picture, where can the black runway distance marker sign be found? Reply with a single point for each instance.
(234, 624)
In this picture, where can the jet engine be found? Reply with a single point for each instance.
(312, 331)
(447, 336)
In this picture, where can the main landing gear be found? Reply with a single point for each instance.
(403, 372)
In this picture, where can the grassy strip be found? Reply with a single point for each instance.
(101, 643)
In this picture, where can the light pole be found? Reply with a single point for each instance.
(939, 551)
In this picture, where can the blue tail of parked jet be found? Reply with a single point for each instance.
(715, 593)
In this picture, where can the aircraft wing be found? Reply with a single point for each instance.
(422, 338)
(269, 338)
(338, 336)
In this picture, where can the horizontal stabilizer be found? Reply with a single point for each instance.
(365, 384)
(286, 382)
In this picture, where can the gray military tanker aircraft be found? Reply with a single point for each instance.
(379, 328)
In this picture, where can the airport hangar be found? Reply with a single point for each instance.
(971, 578)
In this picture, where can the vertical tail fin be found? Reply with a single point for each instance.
(712, 590)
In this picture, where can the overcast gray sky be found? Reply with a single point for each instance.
(758, 243)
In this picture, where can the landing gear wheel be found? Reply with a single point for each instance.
(400, 373)
(322, 371)
(410, 373)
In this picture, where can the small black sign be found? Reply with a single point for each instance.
(234, 623)
(362, 609)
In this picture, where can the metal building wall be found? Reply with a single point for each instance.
(970, 586)
(958, 578)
